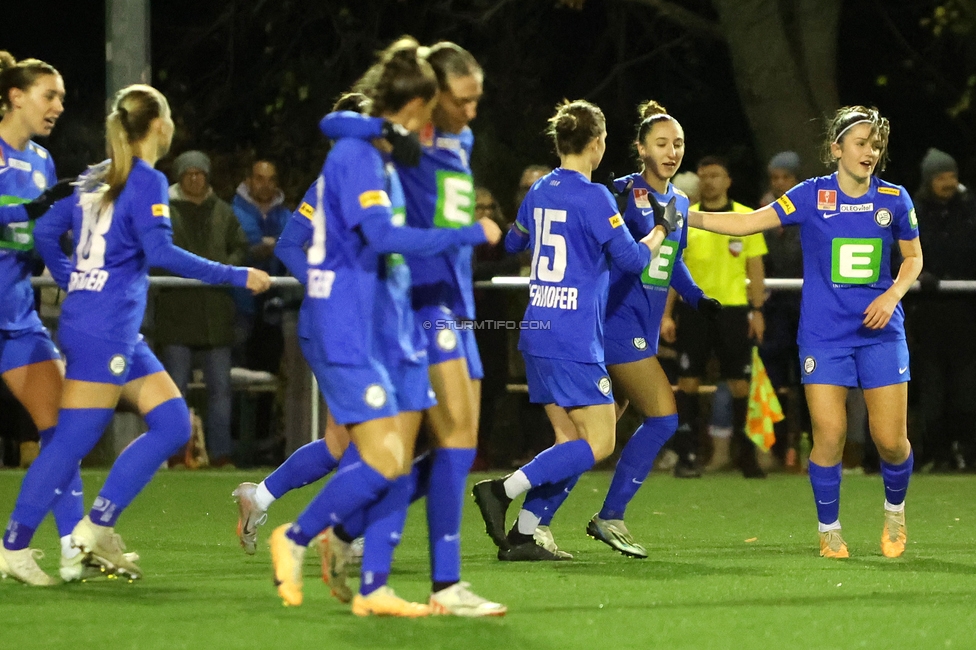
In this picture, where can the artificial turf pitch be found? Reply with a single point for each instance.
(733, 564)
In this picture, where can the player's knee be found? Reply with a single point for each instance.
(894, 450)
(382, 459)
(171, 420)
(602, 447)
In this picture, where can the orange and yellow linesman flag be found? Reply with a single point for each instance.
(764, 407)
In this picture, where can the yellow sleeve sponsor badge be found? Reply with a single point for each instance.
(786, 204)
(306, 210)
(160, 210)
(893, 191)
(616, 221)
(373, 198)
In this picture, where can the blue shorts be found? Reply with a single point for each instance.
(448, 339)
(354, 394)
(567, 383)
(411, 381)
(23, 347)
(627, 350)
(867, 366)
(90, 358)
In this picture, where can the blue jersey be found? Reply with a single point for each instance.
(440, 194)
(847, 245)
(115, 244)
(396, 338)
(23, 176)
(636, 302)
(569, 222)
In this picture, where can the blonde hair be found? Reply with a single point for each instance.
(133, 111)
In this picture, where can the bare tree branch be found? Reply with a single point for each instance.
(685, 17)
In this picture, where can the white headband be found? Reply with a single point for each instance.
(846, 128)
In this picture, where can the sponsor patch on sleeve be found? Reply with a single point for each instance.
(373, 198)
(616, 221)
(787, 205)
(160, 210)
(306, 210)
(893, 191)
(912, 219)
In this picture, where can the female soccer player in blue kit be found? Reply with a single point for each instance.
(574, 231)
(365, 366)
(852, 330)
(633, 320)
(120, 220)
(440, 195)
(31, 96)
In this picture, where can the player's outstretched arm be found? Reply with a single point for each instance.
(384, 237)
(879, 312)
(290, 248)
(735, 223)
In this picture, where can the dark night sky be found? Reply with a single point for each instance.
(72, 38)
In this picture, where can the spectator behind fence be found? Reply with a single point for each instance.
(779, 351)
(201, 321)
(719, 265)
(941, 324)
(259, 205)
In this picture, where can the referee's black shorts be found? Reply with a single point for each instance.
(727, 337)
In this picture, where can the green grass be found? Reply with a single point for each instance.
(705, 585)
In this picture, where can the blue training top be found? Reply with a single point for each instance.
(23, 176)
(574, 231)
(636, 303)
(115, 244)
(357, 302)
(847, 245)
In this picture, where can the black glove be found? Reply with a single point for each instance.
(928, 282)
(60, 190)
(665, 216)
(619, 193)
(406, 145)
(709, 307)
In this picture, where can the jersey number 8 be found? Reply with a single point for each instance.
(96, 219)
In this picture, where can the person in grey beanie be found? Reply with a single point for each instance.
(940, 323)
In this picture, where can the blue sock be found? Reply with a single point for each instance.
(384, 526)
(355, 524)
(559, 463)
(69, 507)
(421, 475)
(445, 501)
(169, 431)
(307, 465)
(896, 477)
(544, 501)
(77, 432)
(355, 486)
(636, 461)
(826, 491)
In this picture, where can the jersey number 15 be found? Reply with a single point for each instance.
(545, 268)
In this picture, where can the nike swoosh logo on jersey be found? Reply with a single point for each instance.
(647, 212)
(901, 371)
(828, 215)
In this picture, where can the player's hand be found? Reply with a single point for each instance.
(492, 232)
(60, 190)
(665, 216)
(406, 145)
(669, 329)
(879, 312)
(258, 281)
(709, 308)
(620, 190)
(757, 326)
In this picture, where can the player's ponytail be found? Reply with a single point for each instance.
(650, 113)
(574, 125)
(20, 75)
(133, 112)
(400, 75)
(848, 116)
